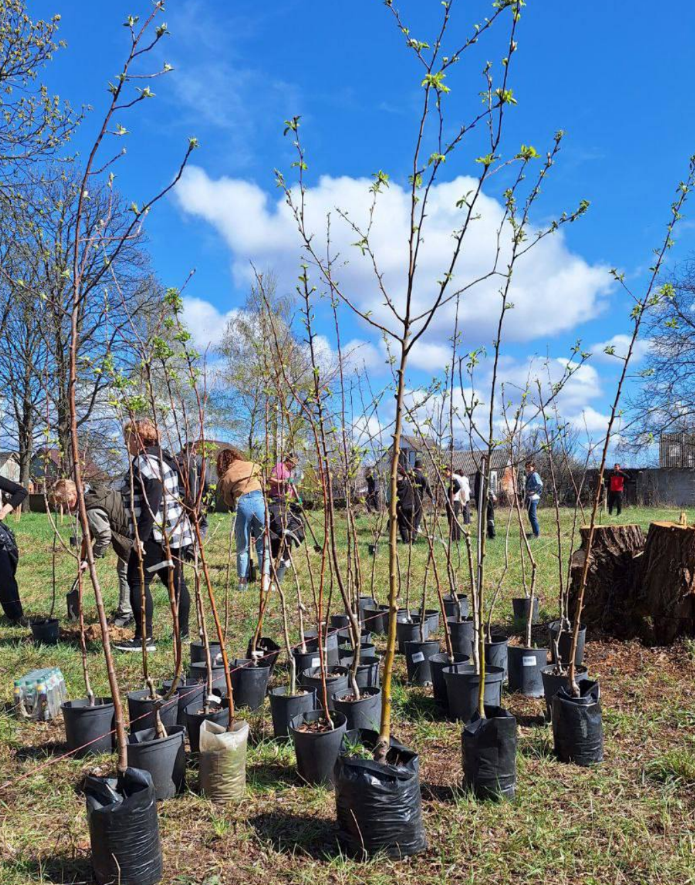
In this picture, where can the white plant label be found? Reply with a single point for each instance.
(316, 662)
(418, 658)
(528, 661)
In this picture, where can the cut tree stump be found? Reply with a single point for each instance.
(666, 583)
(609, 599)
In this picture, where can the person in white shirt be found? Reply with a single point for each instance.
(459, 496)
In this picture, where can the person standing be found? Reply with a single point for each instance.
(163, 539)
(533, 489)
(282, 479)
(457, 491)
(421, 487)
(405, 505)
(241, 486)
(108, 527)
(373, 498)
(616, 487)
(491, 501)
(9, 554)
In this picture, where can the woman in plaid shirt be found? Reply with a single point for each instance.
(153, 499)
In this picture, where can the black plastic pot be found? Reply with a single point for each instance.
(437, 665)
(489, 754)
(141, 710)
(45, 630)
(219, 713)
(462, 634)
(198, 673)
(163, 758)
(267, 652)
(284, 707)
(433, 619)
(417, 660)
(525, 665)
(520, 610)
(553, 682)
(365, 602)
(453, 605)
(331, 640)
(187, 695)
(578, 725)
(89, 727)
(123, 829)
(198, 651)
(305, 660)
(364, 713)
(317, 751)
(347, 654)
(462, 689)
(375, 619)
(379, 806)
(337, 679)
(496, 652)
(368, 672)
(409, 631)
(249, 683)
(565, 644)
(339, 622)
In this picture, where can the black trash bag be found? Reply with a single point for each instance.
(123, 829)
(379, 807)
(578, 725)
(489, 754)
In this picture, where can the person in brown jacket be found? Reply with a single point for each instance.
(241, 486)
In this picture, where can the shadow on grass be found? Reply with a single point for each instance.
(273, 775)
(294, 834)
(51, 749)
(419, 706)
(61, 870)
(448, 793)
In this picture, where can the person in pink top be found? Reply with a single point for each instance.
(281, 480)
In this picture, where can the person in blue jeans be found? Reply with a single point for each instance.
(533, 489)
(240, 484)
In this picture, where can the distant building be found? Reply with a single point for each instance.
(677, 449)
(9, 465)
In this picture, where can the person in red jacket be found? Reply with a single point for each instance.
(616, 487)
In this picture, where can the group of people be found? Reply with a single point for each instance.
(413, 487)
(156, 520)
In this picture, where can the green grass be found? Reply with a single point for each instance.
(630, 820)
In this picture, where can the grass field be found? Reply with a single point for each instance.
(629, 821)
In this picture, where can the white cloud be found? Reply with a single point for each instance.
(205, 322)
(553, 289)
(621, 344)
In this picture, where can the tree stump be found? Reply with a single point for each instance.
(609, 599)
(666, 583)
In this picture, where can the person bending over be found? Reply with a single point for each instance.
(9, 554)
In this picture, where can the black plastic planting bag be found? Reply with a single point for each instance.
(489, 754)
(123, 829)
(577, 724)
(379, 807)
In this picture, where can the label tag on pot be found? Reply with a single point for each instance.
(316, 662)
(418, 658)
(528, 661)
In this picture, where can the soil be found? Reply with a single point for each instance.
(318, 727)
(92, 633)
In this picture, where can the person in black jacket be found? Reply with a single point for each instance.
(9, 591)
(373, 499)
(405, 505)
(421, 487)
(491, 501)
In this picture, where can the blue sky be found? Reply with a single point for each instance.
(614, 75)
